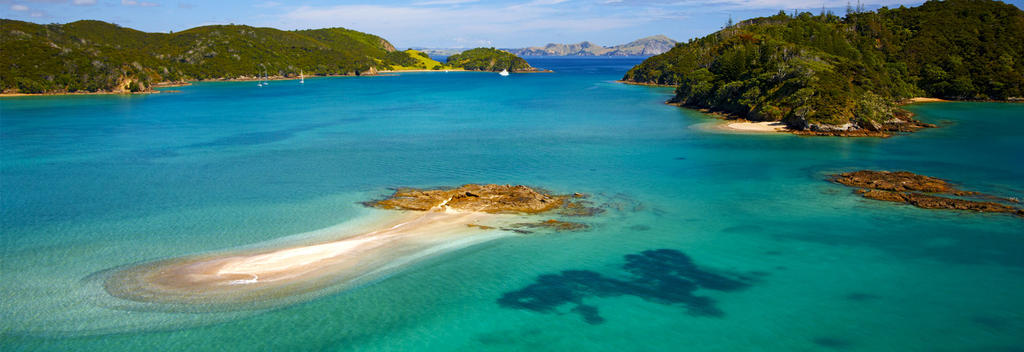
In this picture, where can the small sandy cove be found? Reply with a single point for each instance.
(742, 126)
(747, 126)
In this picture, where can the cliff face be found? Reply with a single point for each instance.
(641, 47)
(648, 46)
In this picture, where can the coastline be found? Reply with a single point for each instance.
(426, 70)
(13, 95)
(916, 100)
(240, 79)
(740, 126)
(644, 84)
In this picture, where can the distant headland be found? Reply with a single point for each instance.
(647, 46)
(822, 74)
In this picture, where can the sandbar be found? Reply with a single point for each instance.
(426, 223)
(259, 277)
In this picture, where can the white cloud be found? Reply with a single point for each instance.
(19, 7)
(418, 25)
(83, 2)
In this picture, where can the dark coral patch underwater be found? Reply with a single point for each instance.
(664, 276)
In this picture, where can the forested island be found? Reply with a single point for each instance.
(826, 74)
(95, 56)
(489, 59)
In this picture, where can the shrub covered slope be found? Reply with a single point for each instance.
(99, 56)
(827, 73)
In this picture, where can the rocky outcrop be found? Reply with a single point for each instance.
(923, 192)
(472, 197)
(902, 122)
(899, 181)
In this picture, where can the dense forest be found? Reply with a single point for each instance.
(95, 56)
(489, 59)
(822, 72)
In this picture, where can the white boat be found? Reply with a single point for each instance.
(503, 73)
(259, 78)
(302, 78)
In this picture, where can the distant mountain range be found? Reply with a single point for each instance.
(648, 46)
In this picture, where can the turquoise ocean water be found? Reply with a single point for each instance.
(710, 241)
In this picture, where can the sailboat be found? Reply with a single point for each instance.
(302, 78)
(266, 77)
(260, 80)
(503, 73)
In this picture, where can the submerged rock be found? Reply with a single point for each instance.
(472, 197)
(921, 191)
(926, 201)
(550, 224)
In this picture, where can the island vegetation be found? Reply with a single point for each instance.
(826, 74)
(489, 59)
(95, 56)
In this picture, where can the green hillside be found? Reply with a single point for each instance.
(489, 59)
(826, 73)
(98, 56)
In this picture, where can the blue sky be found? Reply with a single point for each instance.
(437, 23)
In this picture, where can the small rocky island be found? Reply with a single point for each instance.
(490, 59)
(473, 197)
(495, 199)
(923, 192)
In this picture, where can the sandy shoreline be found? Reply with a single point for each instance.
(266, 275)
(924, 100)
(742, 126)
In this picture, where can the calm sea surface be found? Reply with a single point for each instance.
(710, 241)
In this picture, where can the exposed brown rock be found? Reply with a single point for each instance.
(893, 181)
(910, 188)
(926, 201)
(473, 197)
(482, 227)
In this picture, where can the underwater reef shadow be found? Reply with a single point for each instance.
(665, 276)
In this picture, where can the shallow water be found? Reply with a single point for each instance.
(754, 249)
